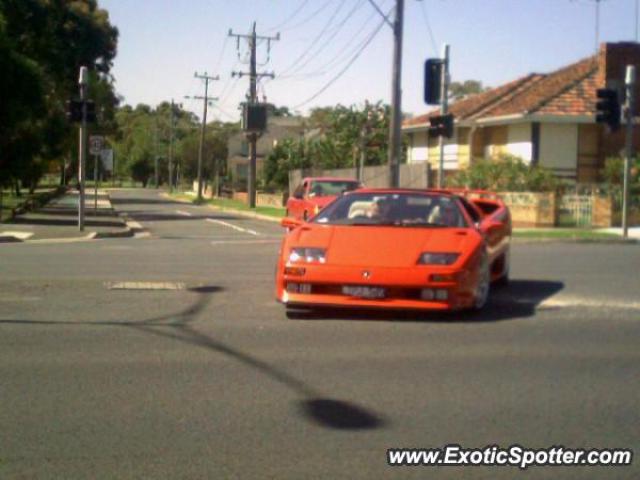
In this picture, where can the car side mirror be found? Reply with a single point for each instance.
(493, 226)
(298, 195)
(290, 222)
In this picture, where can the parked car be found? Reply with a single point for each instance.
(397, 248)
(314, 193)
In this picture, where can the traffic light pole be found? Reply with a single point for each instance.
(82, 153)
(444, 106)
(630, 84)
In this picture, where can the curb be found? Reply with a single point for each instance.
(242, 213)
(610, 241)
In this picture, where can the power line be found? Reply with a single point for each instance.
(345, 55)
(423, 8)
(334, 31)
(309, 18)
(290, 17)
(312, 44)
(341, 72)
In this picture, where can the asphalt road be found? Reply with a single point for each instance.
(211, 380)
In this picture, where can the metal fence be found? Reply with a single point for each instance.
(575, 210)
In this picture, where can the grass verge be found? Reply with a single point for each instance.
(229, 204)
(564, 234)
(10, 202)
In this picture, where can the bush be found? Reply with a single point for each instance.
(507, 173)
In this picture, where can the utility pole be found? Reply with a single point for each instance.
(395, 140)
(252, 98)
(205, 99)
(630, 85)
(444, 92)
(82, 153)
(171, 148)
(155, 151)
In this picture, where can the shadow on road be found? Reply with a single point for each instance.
(517, 300)
(53, 222)
(144, 201)
(314, 406)
(142, 216)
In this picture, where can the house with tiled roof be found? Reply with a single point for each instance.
(546, 119)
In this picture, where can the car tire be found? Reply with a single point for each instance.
(481, 294)
(503, 280)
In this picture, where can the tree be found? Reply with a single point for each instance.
(338, 135)
(458, 90)
(53, 38)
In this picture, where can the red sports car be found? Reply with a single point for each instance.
(398, 249)
(314, 193)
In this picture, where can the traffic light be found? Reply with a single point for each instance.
(608, 108)
(73, 110)
(254, 118)
(441, 126)
(91, 111)
(433, 81)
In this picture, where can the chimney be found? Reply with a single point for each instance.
(613, 59)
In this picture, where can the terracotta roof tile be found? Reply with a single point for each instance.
(567, 91)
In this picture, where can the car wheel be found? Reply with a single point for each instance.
(503, 281)
(481, 294)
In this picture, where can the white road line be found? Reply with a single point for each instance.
(235, 227)
(244, 242)
(568, 302)
(145, 285)
(182, 212)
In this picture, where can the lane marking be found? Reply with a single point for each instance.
(244, 242)
(145, 285)
(235, 227)
(19, 235)
(568, 302)
(182, 212)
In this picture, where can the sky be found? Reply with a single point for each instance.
(328, 51)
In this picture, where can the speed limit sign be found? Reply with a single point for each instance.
(96, 143)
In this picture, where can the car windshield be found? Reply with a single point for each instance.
(393, 209)
(326, 188)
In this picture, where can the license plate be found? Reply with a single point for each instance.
(363, 292)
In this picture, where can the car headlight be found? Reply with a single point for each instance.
(429, 258)
(308, 255)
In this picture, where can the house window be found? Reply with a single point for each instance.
(244, 148)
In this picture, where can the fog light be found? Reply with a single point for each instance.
(442, 294)
(427, 294)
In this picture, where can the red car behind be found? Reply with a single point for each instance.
(314, 193)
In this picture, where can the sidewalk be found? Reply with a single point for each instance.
(59, 220)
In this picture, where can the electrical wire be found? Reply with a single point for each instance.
(290, 17)
(313, 42)
(346, 53)
(334, 32)
(309, 18)
(346, 67)
(423, 8)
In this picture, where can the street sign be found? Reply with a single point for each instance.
(106, 155)
(95, 144)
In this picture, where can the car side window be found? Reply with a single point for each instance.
(473, 213)
(299, 192)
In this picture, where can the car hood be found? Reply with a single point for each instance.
(382, 246)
